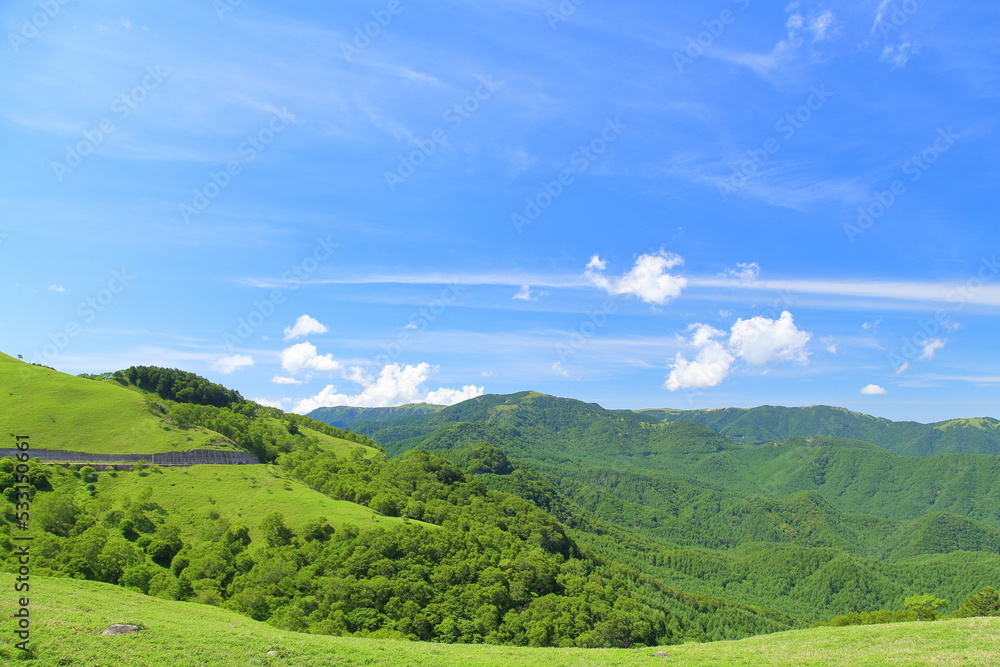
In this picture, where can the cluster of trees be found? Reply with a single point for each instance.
(492, 567)
(175, 385)
(924, 608)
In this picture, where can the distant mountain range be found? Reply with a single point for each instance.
(760, 425)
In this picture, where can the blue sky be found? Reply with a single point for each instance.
(638, 204)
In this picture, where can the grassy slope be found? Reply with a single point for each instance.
(239, 494)
(68, 616)
(339, 446)
(65, 412)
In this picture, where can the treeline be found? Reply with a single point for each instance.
(985, 602)
(171, 384)
(492, 567)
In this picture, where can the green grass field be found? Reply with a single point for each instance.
(68, 616)
(240, 494)
(64, 412)
(339, 446)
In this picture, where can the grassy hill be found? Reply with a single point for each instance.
(65, 412)
(240, 495)
(69, 615)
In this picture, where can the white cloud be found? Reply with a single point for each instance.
(395, 385)
(227, 365)
(525, 294)
(832, 349)
(761, 340)
(57, 288)
(277, 379)
(930, 347)
(708, 369)
(648, 279)
(873, 390)
(903, 367)
(819, 25)
(743, 271)
(452, 396)
(898, 54)
(871, 325)
(303, 357)
(304, 326)
(757, 341)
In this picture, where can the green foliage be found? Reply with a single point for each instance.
(180, 386)
(275, 532)
(925, 606)
(982, 603)
(494, 569)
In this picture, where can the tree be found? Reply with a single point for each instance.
(984, 603)
(274, 530)
(926, 606)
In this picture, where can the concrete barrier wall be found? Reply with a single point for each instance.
(189, 458)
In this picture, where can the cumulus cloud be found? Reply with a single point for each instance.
(747, 272)
(708, 369)
(277, 379)
(227, 365)
(761, 340)
(304, 326)
(394, 385)
(444, 396)
(648, 279)
(873, 390)
(303, 357)
(57, 288)
(757, 341)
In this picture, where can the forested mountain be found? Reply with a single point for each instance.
(768, 423)
(345, 416)
(688, 505)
